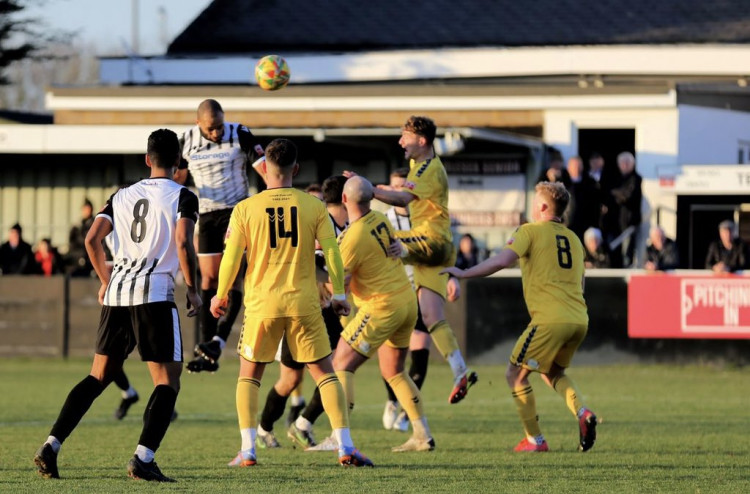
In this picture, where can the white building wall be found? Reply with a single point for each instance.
(712, 135)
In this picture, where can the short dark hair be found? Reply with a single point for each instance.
(209, 106)
(422, 126)
(333, 188)
(282, 153)
(400, 172)
(18, 228)
(313, 188)
(163, 148)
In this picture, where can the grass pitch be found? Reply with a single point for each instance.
(665, 429)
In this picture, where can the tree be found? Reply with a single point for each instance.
(32, 57)
(16, 36)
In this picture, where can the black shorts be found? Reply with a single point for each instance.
(334, 328)
(154, 328)
(212, 227)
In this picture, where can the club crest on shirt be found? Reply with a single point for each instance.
(510, 241)
(409, 185)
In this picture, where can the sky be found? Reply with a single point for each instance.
(108, 23)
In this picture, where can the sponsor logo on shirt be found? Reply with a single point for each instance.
(209, 156)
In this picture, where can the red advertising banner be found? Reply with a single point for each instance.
(675, 306)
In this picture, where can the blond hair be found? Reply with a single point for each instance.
(556, 194)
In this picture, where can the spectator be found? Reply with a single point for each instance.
(15, 254)
(48, 260)
(626, 200)
(729, 253)
(584, 209)
(556, 171)
(596, 166)
(661, 253)
(468, 252)
(77, 259)
(597, 254)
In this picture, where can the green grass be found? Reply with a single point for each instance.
(666, 429)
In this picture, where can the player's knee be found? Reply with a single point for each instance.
(286, 383)
(513, 376)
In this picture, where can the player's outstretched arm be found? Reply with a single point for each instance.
(188, 262)
(505, 258)
(388, 195)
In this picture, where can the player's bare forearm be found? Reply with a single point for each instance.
(100, 229)
(505, 258)
(186, 251)
(393, 197)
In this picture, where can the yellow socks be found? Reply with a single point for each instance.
(525, 402)
(565, 387)
(408, 395)
(346, 379)
(246, 397)
(334, 400)
(443, 336)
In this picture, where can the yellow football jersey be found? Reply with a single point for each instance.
(552, 269)
(278, 228)
(376, 278)
(428, 181)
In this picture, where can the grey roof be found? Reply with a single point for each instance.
(262, 26)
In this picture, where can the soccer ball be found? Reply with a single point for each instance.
(272, 72)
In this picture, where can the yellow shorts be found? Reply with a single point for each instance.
(372, 327)
(306, 336)
(425, 248)
(542, 345)
(352, 313)
(429, 277)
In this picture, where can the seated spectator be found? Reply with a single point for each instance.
(556, 171)
(468, 252)
(729, 253)
(661, 252)
(78, 258)
(48, 260)
(15, 254)
(597, 254)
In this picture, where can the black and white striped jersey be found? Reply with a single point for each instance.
(400, 222)
(144, 217)
(219, 170)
